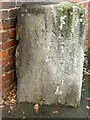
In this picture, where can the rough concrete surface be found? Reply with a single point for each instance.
(50, 53)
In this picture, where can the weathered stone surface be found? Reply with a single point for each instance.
(50, 53)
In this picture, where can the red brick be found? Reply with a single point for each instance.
(89, 32)
(6, 5)
(87, 20)
(13, 13)
(87, 16)
(3, 14)
(7, 76)
(9, 23)
(0, 63)
(0, 88)
(7, 84)
(0, 46)
(3, 35)
(1, 25)
(0, 81)
(89, 7)
(74, 1)
(87, 26)
(89, 36)
(84, 5)
(9, 67)
(14, 76)
(8, 89)
(8, 44)
(11, 33)
(3, 54)
(0, 71)
(86, 42)
(12, 51)
(8, 60)
(86, 35)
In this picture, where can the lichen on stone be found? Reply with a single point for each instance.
(63, 18)
(65, 15)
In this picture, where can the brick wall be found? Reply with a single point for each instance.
(77, 1)
(86, 5)
(8, 12)
(8, 19)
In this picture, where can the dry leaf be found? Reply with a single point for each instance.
(1, 101)
(36, 108)
(1, 106)
(23, 117)
(13, 108)
(13, 100)
(87, 98)
(23, 113)
(10, 100)
(55, 112)
(9, 112)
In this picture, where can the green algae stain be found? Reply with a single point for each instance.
(64, 19)
(67, 15)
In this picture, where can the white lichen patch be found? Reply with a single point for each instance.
(60, 92)
(63, 18)
(70, 83)
(71, 13)
(88, 107)
(57, 90)
(62, 21)
(22, 15)
(54, 12)
(81, 20)
(26, 10)
(62, 82)
(59, 101)
(29, 14)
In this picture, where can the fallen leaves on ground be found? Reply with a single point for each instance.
(1, 106)
(54, 112)
(36, 108)
(85, 71)
(9, 112)
(9, 100)
(23, 117)
(1, 101)
(88, 99)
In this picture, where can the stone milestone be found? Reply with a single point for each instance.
(50, 53)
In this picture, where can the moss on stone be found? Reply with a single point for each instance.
(68, 9)
(61, 11)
